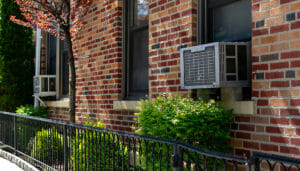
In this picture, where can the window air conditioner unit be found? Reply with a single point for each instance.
(44, 85)
(215, 65)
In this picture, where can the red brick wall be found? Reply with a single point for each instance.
(172, 25)
(59, 113)
(98, 51)
(275, 67)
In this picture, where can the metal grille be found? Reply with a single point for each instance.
(199, 67)
(36, 85)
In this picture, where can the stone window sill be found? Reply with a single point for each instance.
(126, 105)
(239, 107)
(62, 103)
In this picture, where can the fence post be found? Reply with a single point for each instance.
(248, 163)
(256, 164)
(177, 158)
(15, 134)
(65, 147)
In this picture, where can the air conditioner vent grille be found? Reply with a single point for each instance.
(212, 66)
(36, 85)
(199, 67)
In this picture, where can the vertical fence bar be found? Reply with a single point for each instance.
(15, 134)
(177, 158)
(65, 148)
(248, 164)
(256, 164)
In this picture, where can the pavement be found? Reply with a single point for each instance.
(6, 165)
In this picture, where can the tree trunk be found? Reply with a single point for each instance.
(72, 83)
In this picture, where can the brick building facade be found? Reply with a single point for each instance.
(275, 48)
(103, 47)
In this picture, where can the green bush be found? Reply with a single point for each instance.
(16, 59)
(30, 110)
(204, 125)
(24, 132)
(93, 150)
(48, 146)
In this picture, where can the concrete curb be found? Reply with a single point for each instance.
(18, 161)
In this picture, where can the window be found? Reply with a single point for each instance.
(136, 48)
(57, 64)
(227, 21)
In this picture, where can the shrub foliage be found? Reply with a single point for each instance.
(205, 125)
(94, 150)
(16, 59)
(30, 110)
(24, 133)
(48, 146)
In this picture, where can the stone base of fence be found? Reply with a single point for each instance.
(17, 160)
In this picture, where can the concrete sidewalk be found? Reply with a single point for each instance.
(6, 165)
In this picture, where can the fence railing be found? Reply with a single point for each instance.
(272, 162)
(50, 144)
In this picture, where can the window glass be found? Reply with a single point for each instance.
(141, 12)
(242, 62)
(230, 65)
(65, 70)
(137, 55)
(51, 64)
(231, 22)
(52, 84)
(231, 78)
(139, 62)
(44, 84)
(230, 50)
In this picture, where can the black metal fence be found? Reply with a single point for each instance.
(56, 145)
(272, 162)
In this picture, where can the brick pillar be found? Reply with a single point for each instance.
(98, 51)
(172, 25)
(276, 80)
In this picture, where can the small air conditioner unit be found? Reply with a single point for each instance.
(215, 65)
(44, 85)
